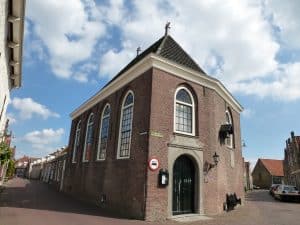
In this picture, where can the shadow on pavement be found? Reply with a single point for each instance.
(263, 196)
(33, 194)
(259, 195)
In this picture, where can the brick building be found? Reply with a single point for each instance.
(248, 184)
(162, 105)
(291, 162)
(267, 172)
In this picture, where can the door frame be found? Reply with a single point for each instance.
(190, 166)
(196, 155)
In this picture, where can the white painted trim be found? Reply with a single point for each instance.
(17, 19)
(87, 126)
(193, 111)
(75, 141)
(120, 126)
(155, 61)
(100, 131)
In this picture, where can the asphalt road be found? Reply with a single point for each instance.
(25, 202)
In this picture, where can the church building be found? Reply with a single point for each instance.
(161, 139)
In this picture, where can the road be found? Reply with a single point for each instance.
(25, 202)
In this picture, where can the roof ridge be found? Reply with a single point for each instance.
(179, 55)
(191, 58)
(162, 44)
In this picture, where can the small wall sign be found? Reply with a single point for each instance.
(153, 164)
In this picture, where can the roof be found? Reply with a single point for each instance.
(15, 29)
(274, 166)
(168, 48)
(164, 48)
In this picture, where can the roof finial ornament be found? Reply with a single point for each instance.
(138, 50)
(167, 27)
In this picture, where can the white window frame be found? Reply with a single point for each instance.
(100, 131)
(86, 132)
(120, 126)
(230, 135)
(76, 141)
(184, 103)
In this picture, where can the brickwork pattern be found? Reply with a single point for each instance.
(122, 181)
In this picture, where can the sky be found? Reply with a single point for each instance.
(72, 48)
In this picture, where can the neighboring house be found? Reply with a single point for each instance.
(11, 44)
(53, 168)
(267, 172)
(247, 177)
(292, 160)
(21, 166)
(161, 106)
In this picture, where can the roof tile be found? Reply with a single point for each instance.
(274, 166)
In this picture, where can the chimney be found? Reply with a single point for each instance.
(292, 134)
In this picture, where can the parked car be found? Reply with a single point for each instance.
(273, 188)
(287, 193)
(256, 187)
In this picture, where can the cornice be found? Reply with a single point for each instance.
(154, 61)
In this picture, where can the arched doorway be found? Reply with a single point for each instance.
(183, 186)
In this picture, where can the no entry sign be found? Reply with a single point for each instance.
(153, 163)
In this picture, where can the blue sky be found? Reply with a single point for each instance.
(72, 48)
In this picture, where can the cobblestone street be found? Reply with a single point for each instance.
(32, 202)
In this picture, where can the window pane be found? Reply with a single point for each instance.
(183, 96)
(76, 141)
(88, 138)
(103, 138)
(126, 131)
(129, 99)
(183, 118)
(106, 111)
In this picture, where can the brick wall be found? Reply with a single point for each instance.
(130, 187)
(121, 180)
(261, 176)
(210, 111)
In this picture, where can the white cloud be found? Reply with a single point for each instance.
(285, 85)
(27, 107)
(11, 117)
(286, 16)
(229, 41)
(69, 29)
(248, 113)
(234, 41)
(44, 140)
(112, 62)
(46, 136)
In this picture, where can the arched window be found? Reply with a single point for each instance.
(229, 139)
(184, 119)
(103, 135)
(126, 126)
(88, 139)
(76, 141)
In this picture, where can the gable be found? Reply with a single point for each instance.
(167, 55)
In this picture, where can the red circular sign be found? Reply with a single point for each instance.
(153, 163)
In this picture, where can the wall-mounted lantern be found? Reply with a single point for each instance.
(216, 158)
(208, 166)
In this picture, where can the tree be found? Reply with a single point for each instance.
(10, 168)
(5, 153)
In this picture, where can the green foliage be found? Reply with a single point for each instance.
(11, 168)
(5, 152)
